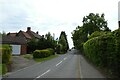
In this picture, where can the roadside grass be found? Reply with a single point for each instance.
(44, 59)
(28, 56)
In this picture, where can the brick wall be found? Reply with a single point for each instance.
(23, 49)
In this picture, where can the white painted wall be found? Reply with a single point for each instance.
(16, 49)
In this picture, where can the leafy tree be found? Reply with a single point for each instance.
(62, 41)
(42, 43)
(91, 23)
(65, 37)
(95, 22)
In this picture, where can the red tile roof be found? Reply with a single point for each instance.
(25, 34)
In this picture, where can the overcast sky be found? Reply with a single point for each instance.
(53, 15)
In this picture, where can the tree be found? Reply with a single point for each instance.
(65, 37)
(62, 41)
(95, 22)
(91, 23)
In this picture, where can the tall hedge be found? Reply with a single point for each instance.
(6, 58)
(6, 54)
(104, 52)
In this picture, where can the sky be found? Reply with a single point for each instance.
(54, 16)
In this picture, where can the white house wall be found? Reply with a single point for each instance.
(16, 49)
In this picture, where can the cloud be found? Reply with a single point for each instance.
(53, 15)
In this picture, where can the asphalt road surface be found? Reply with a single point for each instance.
(69, 65)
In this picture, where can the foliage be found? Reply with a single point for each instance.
(63, 34)
(42, 53)
(64, 46)
(6, 54)
(95, 22)
(98, 33)
(32, 45)
(42, 43)
(91, 23)
(51, 51)
(104, 51)
(44, 59)
(4, 69)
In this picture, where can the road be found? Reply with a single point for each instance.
(69, 65)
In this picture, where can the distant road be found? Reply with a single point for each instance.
(70, 65)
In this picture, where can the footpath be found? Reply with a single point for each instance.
(87, 70)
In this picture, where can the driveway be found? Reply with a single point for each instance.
(19, 62)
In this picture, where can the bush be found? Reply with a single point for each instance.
(6, 54)
(98, 33)
(51, 51)
(4, 69)
(102, 52)
(41, 53)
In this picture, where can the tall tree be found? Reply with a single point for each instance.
(95, 22)
(62, 41)
(91, 23)
(65, 36)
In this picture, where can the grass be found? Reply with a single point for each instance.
(28, 56)
(44, 59)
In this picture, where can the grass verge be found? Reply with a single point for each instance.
(28, 56)
(44, 59)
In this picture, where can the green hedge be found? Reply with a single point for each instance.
(104, 51)
(42, 53)
(51, 51)
(6, 54)
(98, 33)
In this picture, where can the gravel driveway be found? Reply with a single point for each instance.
(19, 62)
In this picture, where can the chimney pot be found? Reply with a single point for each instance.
(37, 32)
(28, 28)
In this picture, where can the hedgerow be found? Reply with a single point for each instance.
(104, 51)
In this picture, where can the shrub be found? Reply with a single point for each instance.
(98, 33)
(102, 51)
(41, 53)
(4, 69)
(52, 52)
(6, 54)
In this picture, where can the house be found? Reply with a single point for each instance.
(19, 40)
(18, 44)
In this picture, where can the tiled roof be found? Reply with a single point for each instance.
(12, 34)
(13, 40)
(35, 34)
(26, 34)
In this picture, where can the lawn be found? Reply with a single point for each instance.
(44, 59)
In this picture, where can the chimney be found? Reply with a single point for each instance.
(28, 28)
(37, 32)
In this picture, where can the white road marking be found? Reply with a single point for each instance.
(58, 63)
(44, 73)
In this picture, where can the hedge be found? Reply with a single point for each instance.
(51, 51)
(6, 58)
(42, 53)
(6, 54)
(104, 52)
